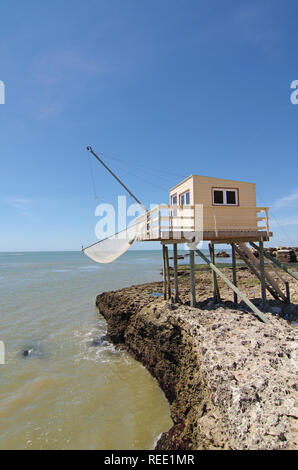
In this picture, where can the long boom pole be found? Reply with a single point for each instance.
(116, 177)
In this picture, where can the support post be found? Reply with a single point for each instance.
(216, 294)
(192, 278)
(262, 272)
(288, 292)
(168, 274)
(164, 272)
(234, 265)
(176, 293)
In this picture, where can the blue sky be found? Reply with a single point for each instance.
(186, 86)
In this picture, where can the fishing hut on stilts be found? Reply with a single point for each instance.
(215, 210)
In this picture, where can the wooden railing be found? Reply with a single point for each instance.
(165, 218)
(169, 218)
(264, 218)
(242, 218)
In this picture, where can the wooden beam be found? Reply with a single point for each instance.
(216, 293)
(288, 292)
(168, 278)
(249, 260)
(192, 278)
(267, 275)
(234, 266)
(187, 236)
(176, 293)
(262, 272)
(258, 313)
(164, 272)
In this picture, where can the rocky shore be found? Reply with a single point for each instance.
(283, 254)
(229, 379)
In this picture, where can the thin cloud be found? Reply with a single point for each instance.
(20, 204)
(287, 200)
(285, 221)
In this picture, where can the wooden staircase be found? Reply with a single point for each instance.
(254, 264)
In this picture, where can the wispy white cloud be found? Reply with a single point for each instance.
(287, 200)
(20, 204)
(284, 221)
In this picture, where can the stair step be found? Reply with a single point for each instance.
(271, 285)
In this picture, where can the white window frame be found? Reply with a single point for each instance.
(174, 212)
(225, 190)
(184, 194)
(172, 197)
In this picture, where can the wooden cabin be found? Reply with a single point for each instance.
(219, 211)
(206, 208)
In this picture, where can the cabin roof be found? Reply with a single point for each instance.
(179, 184)
(209, 177)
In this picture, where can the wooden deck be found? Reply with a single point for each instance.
(223, 236)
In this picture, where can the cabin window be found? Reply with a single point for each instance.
(225, 197)
(231, 197)
(184, 199)
(218, 196)
(174, 203)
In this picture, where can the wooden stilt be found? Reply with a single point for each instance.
(234, 264)
(288, 292)
(192, 278)
(164, 272)
(216, 293)
(168, 274)
(262, 272)
(176, 293)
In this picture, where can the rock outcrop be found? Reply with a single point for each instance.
(282, 254)
(222, 254)
(229, 379)
(286, 256)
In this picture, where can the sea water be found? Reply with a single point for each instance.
(74, 390)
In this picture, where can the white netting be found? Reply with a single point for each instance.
(109, 249)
